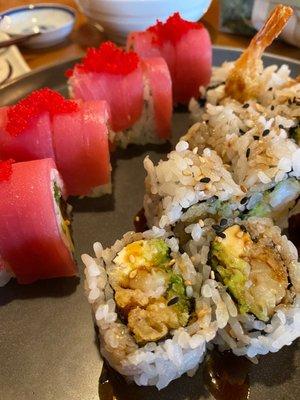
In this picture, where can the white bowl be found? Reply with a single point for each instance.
(119, 17)
(54, 21)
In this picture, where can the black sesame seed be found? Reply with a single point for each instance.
(173, 301)
(255, 137)
(214, 198)
(205, 180)
(216, 227)
(270, 88)
(247, 152)
(272, 107)
(244, 200)
(242, 132)
(281, 126)
(202, 101)
(243, 228)
(223, 222)
(221, 234)
(246, 105)
(266, 132)
(290, 101)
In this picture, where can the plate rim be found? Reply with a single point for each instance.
(70, 59)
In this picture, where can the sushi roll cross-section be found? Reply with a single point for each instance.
(138, 92)
(35, 236)
(153, 322)
(73, 133)
(259, 268)
(186, 48)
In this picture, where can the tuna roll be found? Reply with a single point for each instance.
(35, 236)
(139, 93)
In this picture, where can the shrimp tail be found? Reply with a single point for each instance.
(242, 82)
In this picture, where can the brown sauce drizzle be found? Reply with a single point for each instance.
(140, 222)
(224, 375)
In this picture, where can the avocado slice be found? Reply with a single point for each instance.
(177, 298)
(144, 253)
(249, 269)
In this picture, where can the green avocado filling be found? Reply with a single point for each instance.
(65, 223)
(253, 273)
(177, 298)
(283, 197)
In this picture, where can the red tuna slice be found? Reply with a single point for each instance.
(158, 77)
(185, 46)
(31, 240)
(123, 93)
(109, 73)
(193, 65)
(34, 142)
(81, 147)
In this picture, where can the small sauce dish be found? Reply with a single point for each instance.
(54, 21)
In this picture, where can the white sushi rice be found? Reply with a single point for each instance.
(143, 131)
(176, 184)
(154, 363)
(252, 138)
(244, 334)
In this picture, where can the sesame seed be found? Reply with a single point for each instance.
(202, 102)
(173, 301)
(223, 222)
(221, 234)
(246, 105)
(272, 107)
(131, 258)
(133, 274)
(270, 88)
(242, 132)
(255, 137)
(247, 152)
(290, 101)
(281, 126)
(205, 180)
(214, 198)
(244, 200)
(266, 132)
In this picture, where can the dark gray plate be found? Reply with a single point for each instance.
(48, 347)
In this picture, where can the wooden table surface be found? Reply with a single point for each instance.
(85, 35)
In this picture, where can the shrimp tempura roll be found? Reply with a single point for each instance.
(153, 323)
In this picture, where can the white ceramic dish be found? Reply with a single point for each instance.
(54, 21)
(12, 64)
(119, 17)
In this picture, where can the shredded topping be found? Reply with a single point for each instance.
(173, 29)
(20, 114)
(6, 170)
(107, 58)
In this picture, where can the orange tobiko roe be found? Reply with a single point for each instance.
(172, 30)
(39, 101)
(6, 170)
(107, 58)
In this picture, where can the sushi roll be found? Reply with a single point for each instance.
(73, 133)
(185, 46)
(138, 92)
(251, 119)
(153, 322)
(188, 179)
(35, 236)
(259, 269)
(266, 165)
